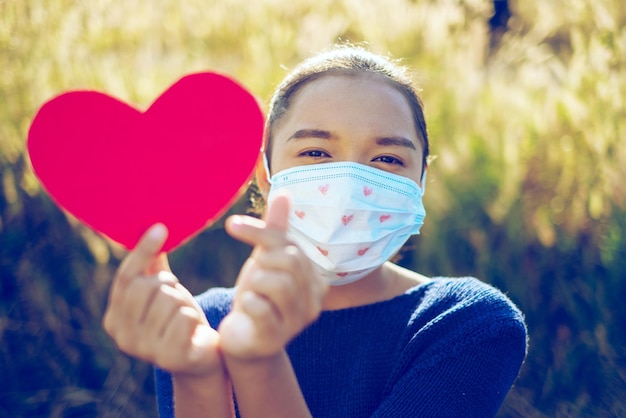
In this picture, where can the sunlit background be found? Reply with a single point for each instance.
(527, 117)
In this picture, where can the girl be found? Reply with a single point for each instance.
(320, 323)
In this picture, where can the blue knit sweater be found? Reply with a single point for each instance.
(448, 348)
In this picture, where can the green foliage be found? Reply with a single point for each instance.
(527, 190)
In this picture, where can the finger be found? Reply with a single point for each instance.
(130, 303)
(142, 256)
(277, 216)
(310, 289)
(287, 258)
(142, 310)
(192, 345)
(204, 344)
(156, 346)
(160, 263)
(262, 312)
(138, 298)
(125, 312)
(239, 336)
(269, 232)
(254, 304)
(254, 231)
(165, 304)
(282, 292)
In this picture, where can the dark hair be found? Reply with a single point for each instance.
(345, 60)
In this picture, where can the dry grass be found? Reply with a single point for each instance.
(528, 189)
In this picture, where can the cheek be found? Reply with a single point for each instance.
(280, 159)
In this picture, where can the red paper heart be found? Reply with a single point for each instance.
(182, 162)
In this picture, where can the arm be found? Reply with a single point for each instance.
(467, 377)
(267, 387)
(277, 296)
(152, 317)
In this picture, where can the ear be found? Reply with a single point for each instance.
(261, 175)
(423, 179)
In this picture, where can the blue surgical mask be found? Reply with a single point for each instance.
(347, 217)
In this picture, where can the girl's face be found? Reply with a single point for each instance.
(358, 118)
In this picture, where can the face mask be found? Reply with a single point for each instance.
(349, 218)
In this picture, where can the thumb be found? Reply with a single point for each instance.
(142, 257)
(277, 215)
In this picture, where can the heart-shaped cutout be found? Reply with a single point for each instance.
(182, 162)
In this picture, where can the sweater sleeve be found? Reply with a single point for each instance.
(460, 363)
(164, 393)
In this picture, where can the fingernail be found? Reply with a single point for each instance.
(236, 221)
(158, 232)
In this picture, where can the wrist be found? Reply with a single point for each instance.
(258, 362)
(257, 369)
(203, 395)
(196, 381)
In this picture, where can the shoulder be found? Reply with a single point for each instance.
(465, 290)
(469, 295)
(216, 303)
(463, 335)
(455, 310)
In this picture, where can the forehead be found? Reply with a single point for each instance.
(362, 112)
(338, 94)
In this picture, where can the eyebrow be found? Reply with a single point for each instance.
(322, 134)
(396, 140)
(312, 133)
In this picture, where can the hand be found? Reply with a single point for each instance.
(151, 316)
(278, 294)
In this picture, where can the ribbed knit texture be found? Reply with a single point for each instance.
(449, 348)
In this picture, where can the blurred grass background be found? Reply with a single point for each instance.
(528, 191)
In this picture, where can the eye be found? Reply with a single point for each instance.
(314, 153)
(388, 159)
